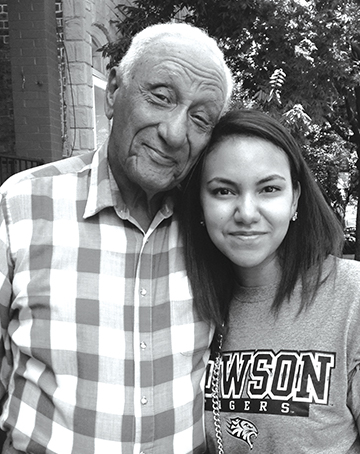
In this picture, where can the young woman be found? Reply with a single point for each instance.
(262, 247)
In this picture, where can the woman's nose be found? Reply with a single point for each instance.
(246, 210)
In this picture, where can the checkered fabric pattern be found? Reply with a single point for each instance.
(102, 351)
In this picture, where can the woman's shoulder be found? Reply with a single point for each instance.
(341, 283)
(347, 265)
(347, 272)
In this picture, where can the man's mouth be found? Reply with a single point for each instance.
(160, 157)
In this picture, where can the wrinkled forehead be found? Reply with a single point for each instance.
(186, 52)
(187, 44)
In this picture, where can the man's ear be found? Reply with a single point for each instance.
(110, 95)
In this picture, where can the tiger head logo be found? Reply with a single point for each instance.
(242, 429)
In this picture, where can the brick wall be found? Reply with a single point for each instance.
(4, 22)
(47, 59)
(7, 132)
(35, 79)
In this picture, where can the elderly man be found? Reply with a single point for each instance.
(102, 351)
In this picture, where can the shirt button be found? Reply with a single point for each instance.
(144, 400)
(143, 345)
(143, 292)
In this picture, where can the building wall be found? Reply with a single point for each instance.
(35, 79)
(50, 46)
(7, 132)
(87, 26)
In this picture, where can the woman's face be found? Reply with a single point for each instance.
(248, 201)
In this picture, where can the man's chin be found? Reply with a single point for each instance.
(156, 183)
(153, 190)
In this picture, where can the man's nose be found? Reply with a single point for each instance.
(174, 128)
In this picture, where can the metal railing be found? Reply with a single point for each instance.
(9, 165)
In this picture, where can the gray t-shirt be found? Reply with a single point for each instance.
(291, 383)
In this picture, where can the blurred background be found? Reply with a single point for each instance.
(296, 59)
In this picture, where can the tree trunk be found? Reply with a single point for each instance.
(356, 131)
(357, 243)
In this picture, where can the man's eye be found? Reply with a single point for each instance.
(201, 119)
(161, 97)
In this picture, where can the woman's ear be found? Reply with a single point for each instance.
(111, 89)
(296, 196)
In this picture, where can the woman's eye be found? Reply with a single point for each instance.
(270, 189)
(221, 191)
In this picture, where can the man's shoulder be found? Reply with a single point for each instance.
(67, 166)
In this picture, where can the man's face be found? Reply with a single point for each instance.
(163, 118)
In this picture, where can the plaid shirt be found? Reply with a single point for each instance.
(101, 349)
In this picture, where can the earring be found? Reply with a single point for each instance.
(202, 223)
(295, 216)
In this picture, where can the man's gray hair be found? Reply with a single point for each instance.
(142, 41)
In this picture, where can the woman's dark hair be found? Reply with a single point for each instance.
(309, 240)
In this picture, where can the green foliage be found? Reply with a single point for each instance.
(314, 43)
(220, 18)
(297, 59)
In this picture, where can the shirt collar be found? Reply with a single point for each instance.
(104, 192)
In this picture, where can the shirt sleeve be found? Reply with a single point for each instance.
(6, 274)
